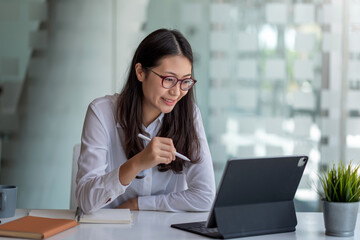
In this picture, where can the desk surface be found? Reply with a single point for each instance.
(156, 225)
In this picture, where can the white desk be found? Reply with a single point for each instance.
(156, 225)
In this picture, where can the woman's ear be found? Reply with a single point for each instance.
(140, 73)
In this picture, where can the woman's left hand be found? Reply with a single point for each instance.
(132, 204)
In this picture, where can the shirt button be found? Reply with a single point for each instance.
(148, 179)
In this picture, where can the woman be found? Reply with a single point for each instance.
(117, 168)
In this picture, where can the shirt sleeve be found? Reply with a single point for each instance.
(94, 187)
(200, 180)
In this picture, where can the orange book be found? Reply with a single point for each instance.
(35, 227)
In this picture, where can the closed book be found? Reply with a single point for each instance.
(35, 227)
(100, 216)
(107, 216)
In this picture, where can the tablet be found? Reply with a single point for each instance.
(255, 196)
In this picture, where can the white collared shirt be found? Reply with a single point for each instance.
(102, 154)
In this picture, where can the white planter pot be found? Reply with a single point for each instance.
(340, 218)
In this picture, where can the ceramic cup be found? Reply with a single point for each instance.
(8, 196)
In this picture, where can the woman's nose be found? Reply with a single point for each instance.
(175, 90)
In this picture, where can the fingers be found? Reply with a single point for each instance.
(168, 151)
(168, 157)
(165, 149)
(165, 160)
(163, 140)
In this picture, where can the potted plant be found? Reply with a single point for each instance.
(340, 193)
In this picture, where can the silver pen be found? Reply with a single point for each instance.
(176, 153)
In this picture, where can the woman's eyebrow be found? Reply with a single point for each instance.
(186, 75)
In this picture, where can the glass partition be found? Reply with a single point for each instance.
(275, 78)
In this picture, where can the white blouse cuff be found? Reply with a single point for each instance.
(113, 184)
(147, 203)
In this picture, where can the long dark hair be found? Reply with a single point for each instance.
(179, 123)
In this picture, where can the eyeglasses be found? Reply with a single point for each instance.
(170, 81)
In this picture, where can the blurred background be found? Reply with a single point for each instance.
(275, 77)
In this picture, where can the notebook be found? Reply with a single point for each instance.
(255, 197)
(100, 216)
(35, 227)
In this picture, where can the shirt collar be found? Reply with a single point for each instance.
(154, 126)
(160, 117)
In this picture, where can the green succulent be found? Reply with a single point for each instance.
(340, 183)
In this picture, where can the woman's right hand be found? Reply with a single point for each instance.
(159, 150)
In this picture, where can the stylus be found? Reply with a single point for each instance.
(176, 153)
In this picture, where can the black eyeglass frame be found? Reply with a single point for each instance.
(177, 80)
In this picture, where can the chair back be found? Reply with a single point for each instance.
(76, 154)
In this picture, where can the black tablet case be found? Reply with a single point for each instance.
(256, 196)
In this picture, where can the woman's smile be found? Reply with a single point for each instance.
(168, 101)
